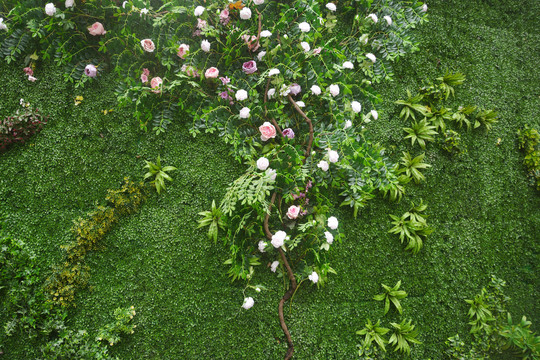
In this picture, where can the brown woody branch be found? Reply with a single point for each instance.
(292, 279)
(308, 120)
(266, 110)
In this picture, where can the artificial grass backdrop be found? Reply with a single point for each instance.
(486, 216)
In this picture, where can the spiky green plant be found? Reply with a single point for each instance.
(412, 227)
(438, 117)
(421, 132)
(391, 295)
(486, 118)
(411, 105)
(214, 219)
(411, 167)
(374, 332)
(158, 173)
(403, 335)
(449, 81)
(461, 117)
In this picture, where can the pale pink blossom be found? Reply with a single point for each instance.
(268, 131)
(278, 239)
(97, 29)
(148, 45)
(183, 50)
(262, 163)
(211, 73)
(155, 84)
(293, 212)
(274, 266)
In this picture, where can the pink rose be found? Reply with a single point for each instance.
(249, 67)
(97, 29)
(317, 51)
(211, 73)
(148, 45)
(293, 212)
(144, 78)
(268, 131)
(183, 50)
(28, 71)
(224, 17)
(155, 83)
(90, 70)
(146, 72)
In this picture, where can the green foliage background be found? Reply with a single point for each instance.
(485, 215)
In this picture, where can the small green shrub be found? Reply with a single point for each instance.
(21, 292)
(452, 143)
(404, 334)
(493, 329)
(80, 345)
(529, 140)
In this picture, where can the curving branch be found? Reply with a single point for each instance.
(266, 110)
(308, 120)
(292, 279)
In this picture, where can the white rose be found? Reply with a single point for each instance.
(244, 113)
(300, 104)
(262, 246)
(375, 114)
(323, 165)
(69, 3)
(205, 45)
(285, 90)
(248, 303)
(334, 90)
(245, 14)
(263, 163)
(316, 90)
(258, 2)
(348, 124)
(329, 237)
(273, 72)
(356, 106)
(198, 11)
(274, 266)
(50, 9)
(314, 277)
(241, 95)
(348, 65)
(272, 173)
(271, 92)
(305, 46)
(373, 17)
(261, 55)
(331, 6)
(371, 57)
(266, 33)
(2, 25)
(424, 7)
(332, 223)
(333, 156)
(388, 19)
(304, 27)
(278, 239)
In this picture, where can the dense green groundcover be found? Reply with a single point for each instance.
(486, 217)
